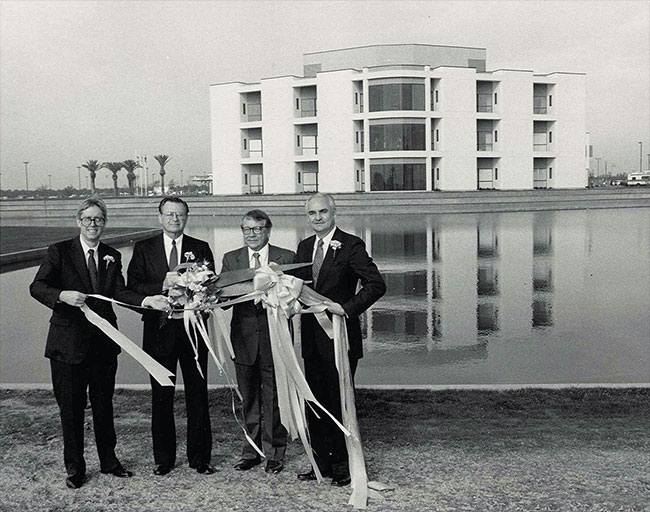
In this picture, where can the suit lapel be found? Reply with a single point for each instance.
(160, 258)
(102, 269)
(79, 260)
(275, 256)
(242, 258)
(328, 261)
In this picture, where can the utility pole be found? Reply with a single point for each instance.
(26, 177)
(79, 175)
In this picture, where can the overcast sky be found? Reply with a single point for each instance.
(101, 79)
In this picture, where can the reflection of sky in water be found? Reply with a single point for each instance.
(548, 297)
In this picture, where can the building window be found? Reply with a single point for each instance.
(436, 96)
(550, 137)
(550, 100)
(396, 96)
(397, 136)
(245, 144)
(398, 176)
(297, 103)
(495, 98)
(243, 108)
(496, 174)
(356, 137)
(298, 140)
(550, 173)
(298, 177)
(484, 141)
(245, 179)
(356, 98)
(484, 103)
(438, 173)
(496, 136)
(437, 136)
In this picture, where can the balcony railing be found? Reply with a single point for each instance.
(540, 147)
(254, 112)
(540, 110)
(484, 147)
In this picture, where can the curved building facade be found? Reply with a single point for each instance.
(399, 117)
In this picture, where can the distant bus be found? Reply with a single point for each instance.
(638, 179)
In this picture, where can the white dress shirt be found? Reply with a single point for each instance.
(85, 247)
(264, 256)
(326, 243)
(168, 248)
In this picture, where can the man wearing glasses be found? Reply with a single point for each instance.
(249, 332)
(166, 340)
(82, 358)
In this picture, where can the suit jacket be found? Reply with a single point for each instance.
(249, 329)
(71, 337)
(339, 275)
(146, 274)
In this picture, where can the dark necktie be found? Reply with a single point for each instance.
(92, 269)
(256, 256)
(318, 261)
(173, 256)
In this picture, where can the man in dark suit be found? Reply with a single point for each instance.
(249, 332)
(81, 356)
(166, 340)
(340, 263)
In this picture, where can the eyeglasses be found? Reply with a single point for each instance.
(174, 215)
(257, 230)
(87, 221)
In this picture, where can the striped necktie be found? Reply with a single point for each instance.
(92, 269)
(318, 261)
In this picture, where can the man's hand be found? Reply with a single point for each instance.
(335, 307)
(72, 297)
(155, 302)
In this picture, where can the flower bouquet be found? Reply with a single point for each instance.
(190, 286)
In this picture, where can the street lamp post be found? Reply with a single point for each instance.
(79, 176)
(26, 177)
(640, 156)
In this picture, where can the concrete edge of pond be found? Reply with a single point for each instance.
(21, 259)
(388, 387)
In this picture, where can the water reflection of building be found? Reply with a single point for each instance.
(542, 304)
(487, 279)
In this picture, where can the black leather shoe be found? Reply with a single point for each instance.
(74, 481)
(341, 481)
(311, 475)
(205, 469)
(246, 464)
(162, 469)
(119, 472)
(274, 467)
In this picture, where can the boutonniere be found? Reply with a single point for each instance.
(108, 259)
(335, 245)
(189, 256)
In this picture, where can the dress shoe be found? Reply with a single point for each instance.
(119, 472)
(162, 469)
(274, 467)
(205, 469)
(311, 475)
(74, 481)
(341, 481)
(246, 464)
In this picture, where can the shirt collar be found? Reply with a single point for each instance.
(263, 252)
(168, 244)
(326, 240)
(85, 247)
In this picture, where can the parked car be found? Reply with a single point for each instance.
(638, 179)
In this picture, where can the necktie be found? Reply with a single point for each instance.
(256, 256)
(92, 269)
(318, 261)
(173, 256)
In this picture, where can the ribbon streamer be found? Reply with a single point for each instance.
(155, 369)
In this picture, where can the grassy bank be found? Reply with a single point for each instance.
(575, 449)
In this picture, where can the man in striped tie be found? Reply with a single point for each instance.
(340, 263)
(249, 332)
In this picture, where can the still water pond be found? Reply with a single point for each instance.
(506, 298)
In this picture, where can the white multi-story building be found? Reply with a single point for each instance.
(399, 117)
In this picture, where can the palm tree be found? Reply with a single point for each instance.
(114, 167)
(93, 166)
(162, 160)
(131, 166)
